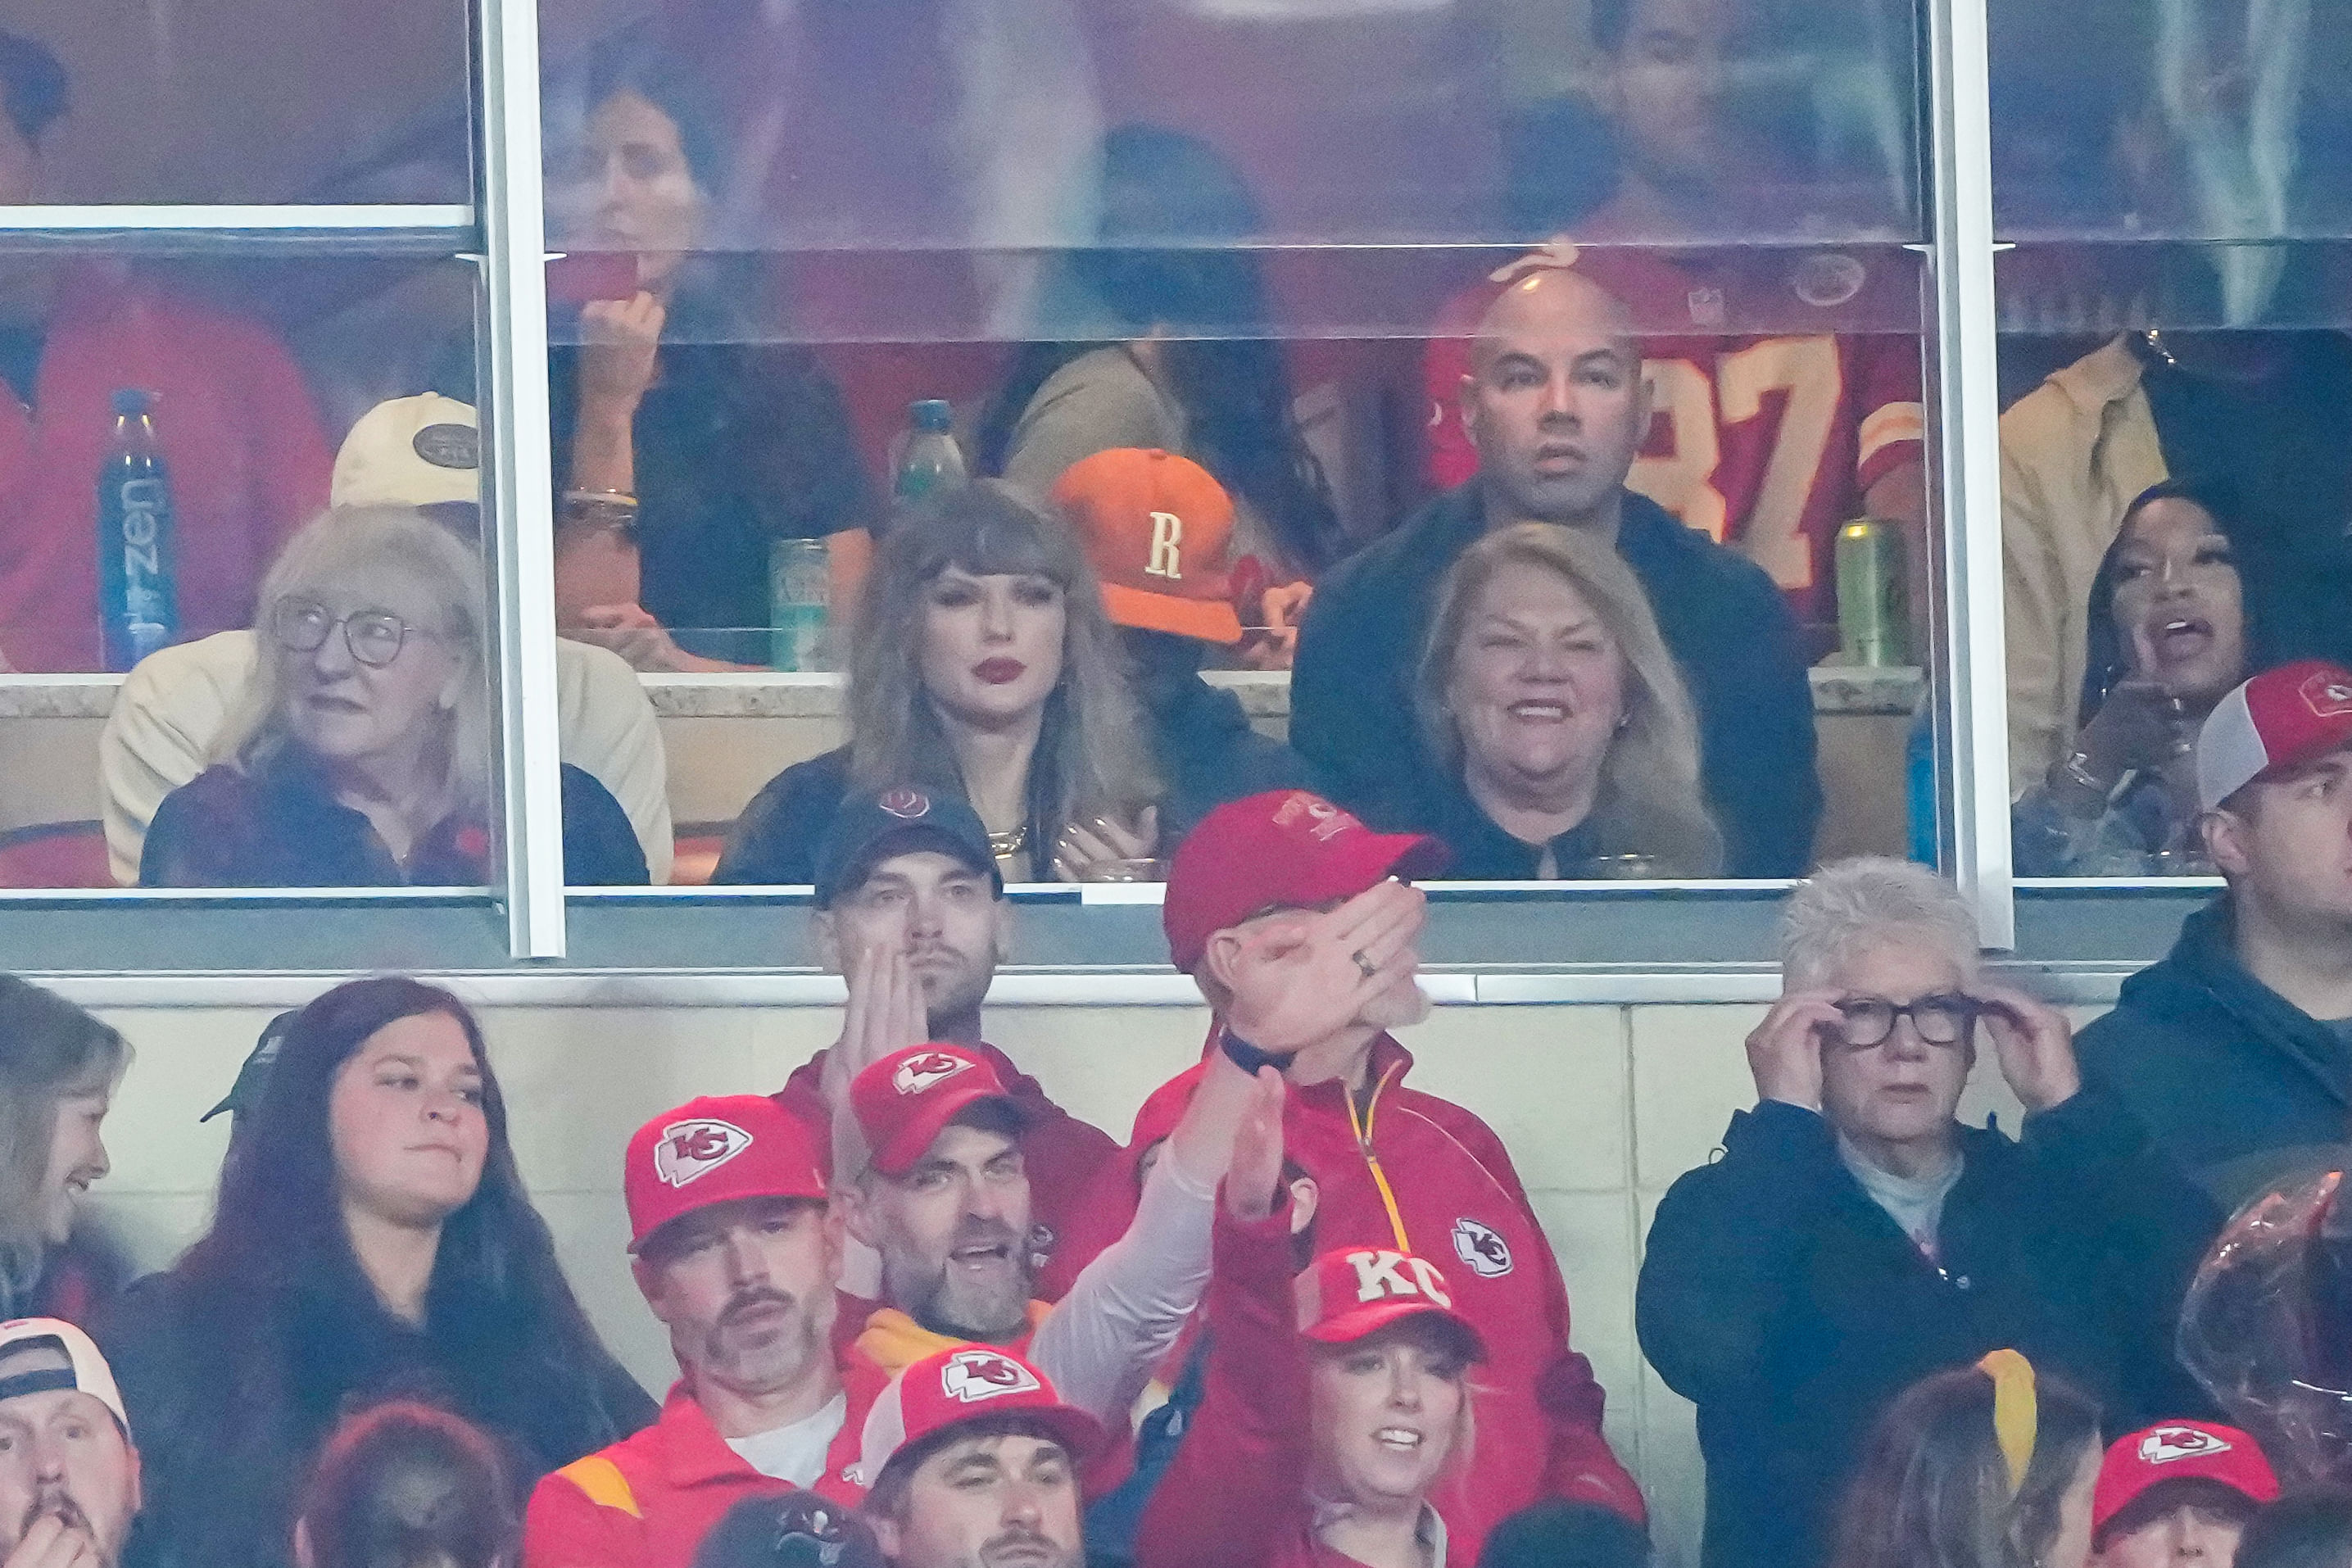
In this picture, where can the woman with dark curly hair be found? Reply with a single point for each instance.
(371, 1240)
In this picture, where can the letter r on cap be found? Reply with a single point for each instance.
(1167, 538)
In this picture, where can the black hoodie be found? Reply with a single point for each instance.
(2239, 1084)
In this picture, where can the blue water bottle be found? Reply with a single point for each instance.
(138, 590)
(925, 458)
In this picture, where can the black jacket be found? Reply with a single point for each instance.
(2236, 1082)
(280, 826)
(1207, 752)
(1791, 1308)
(1351, 710)
(225, 1449)
(1208, 755)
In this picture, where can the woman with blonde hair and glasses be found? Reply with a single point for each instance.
(984, 668)
(359, 754)
(1562, 730)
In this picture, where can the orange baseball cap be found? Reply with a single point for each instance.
(1156, 527)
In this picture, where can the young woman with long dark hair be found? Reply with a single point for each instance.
(371, 1240)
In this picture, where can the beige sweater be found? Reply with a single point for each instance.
(2073, 453)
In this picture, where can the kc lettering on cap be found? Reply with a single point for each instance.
(717, 1150)
(1355, 1292)
(2180, 1451)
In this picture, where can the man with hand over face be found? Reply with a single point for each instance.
(69, 1474)
(1854, 1236)
(912, 909)
(1286, 912)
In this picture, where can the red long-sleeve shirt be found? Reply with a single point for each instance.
(1425, 1175)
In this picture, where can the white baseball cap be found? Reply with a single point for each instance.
(88, 1372)
(2279, 718)
(425, 450)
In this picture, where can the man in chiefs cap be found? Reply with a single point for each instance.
(910, 908)
(1157, 528)
(732, 1247)
(2234, 1049)
(971, 1460)
(942, 1191)
(69, 1472)
(1290, 915)
(1557, 405)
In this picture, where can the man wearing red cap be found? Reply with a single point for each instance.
(942, 1192)
(1557, 405)
(735, 1255)
(2178, 1494)
(2236, 1051)
(1284, 909)
(971, 1461)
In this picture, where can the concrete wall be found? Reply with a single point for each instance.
(1602, 1108)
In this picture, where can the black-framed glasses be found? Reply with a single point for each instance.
(373, 636)
(1943, 1019)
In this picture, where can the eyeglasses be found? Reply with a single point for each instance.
(1942, 1019)
(373, 636)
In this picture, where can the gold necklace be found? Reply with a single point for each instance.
(1012, 841)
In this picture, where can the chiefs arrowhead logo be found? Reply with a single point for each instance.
(1487, 1253)
(908, 804)
(972, 1376)
(689, 1150)
(2165, 1444)
(917, 1074)
(2327, 695)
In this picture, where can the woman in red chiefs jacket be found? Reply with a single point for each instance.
(1339, 1406)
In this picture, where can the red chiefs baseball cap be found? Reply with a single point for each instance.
(2179, 1451)
(1355, 1292)
(965, 1383)
(2280, 719)
(908, 1098)
(715, 1150)
(1282, 850)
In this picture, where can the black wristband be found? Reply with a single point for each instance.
(1248, 1057)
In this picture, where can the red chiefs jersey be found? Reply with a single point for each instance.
(1764, 441)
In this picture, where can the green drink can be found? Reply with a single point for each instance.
(1872, 587)
(800, 602)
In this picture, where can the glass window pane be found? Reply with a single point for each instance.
(236, 101)
(217, 679)
(1259, 237)
(2174, 180)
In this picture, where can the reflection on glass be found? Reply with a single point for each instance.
(357, 752)
(685, 450)
(265, 101)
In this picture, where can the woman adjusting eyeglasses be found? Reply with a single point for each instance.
(359, 754)
(1854, 1234)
